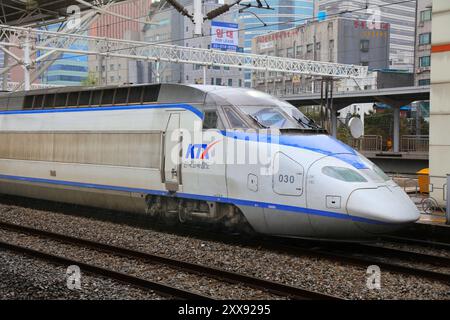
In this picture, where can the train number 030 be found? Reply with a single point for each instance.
(285, 178)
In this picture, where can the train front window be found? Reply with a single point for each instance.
(234, 120)
(211, 120)
(271, 117)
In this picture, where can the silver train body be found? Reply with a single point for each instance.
(154, 150)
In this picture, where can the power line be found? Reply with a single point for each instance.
(242, 29)
(238, 30)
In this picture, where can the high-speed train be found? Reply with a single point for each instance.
(190, 153)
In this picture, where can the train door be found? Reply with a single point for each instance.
(172, 153)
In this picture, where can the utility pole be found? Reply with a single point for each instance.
(198, 18)
(26, 60)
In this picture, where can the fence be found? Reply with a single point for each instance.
(419, 143)
(367, 143)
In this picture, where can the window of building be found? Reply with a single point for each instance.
(424, 61)
(240, 82)
(218, 81)
(425, 38)
(425, 15)
(230, 82)
(299, 50)
(216, 67)
(318, 45)
(424, 82)
(290, 52)
(331, 50)
(226, 68)
(309, 48)
(365, 45)
(365, 63)
(212, 80)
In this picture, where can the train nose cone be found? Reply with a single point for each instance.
(390, 206)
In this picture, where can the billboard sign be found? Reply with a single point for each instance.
(225, 36)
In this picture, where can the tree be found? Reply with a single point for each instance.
(91, 80)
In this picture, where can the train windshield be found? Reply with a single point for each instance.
(277, 117)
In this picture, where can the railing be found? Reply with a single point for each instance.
(367, 143)
(419, 143)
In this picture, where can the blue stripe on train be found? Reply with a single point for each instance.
(196, 111)
(239, 202)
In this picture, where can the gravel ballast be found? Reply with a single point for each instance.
(24, 278)
(307, 272)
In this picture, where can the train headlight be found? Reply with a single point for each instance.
(343, 174)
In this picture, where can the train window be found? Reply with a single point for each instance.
(108, 97)
(37, 104)
(61, 99)
(49, 101)
(72, 99)
(28, 103)
(210, 120)
(85, 97)
(150, 94)
(343, 174)
(234, 120)
(96, 97)
(121, 96)
(4, 103)
(135, 95)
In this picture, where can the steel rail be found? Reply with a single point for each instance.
(405, 254)
(228, 276)
(104, 272)
(422, 242)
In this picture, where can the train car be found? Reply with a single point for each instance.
(189, 153)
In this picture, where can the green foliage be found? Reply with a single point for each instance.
(91, 80)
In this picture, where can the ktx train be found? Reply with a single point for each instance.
(121, 148)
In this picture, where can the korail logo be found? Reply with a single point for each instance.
(204, 148)
(74, 13)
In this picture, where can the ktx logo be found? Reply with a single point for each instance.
(200, 151)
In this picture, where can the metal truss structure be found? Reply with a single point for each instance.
(48, 42)
(13, 86)
(34, 12)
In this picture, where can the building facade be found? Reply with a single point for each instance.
(339, 40)
(286, 14)
(70, 69)
(440, 96)
(114, 70)
(172, 28)
(423, 43)
(400, 16)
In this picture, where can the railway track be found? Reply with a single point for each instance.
(222, 275)
(420, 242)
(357, 254)
(354, 253)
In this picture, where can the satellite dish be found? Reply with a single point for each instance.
(356, 127)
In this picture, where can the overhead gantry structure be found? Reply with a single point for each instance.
(40, 12)
(48, 43)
